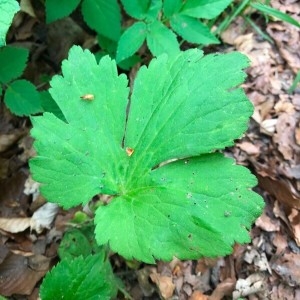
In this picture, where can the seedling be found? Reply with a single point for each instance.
(171, 191)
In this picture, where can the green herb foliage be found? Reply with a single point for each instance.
(8, 9)
(172, 194)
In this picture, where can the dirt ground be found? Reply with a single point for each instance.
(267, 268)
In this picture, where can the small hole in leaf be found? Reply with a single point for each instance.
(186, 161)
(189, 236)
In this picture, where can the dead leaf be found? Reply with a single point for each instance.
(43, 217)
(20, 274)
(223, 289)
(14, 225)
(164, 283)
(294, 218)
(251, 285)
(267, 224)
(288, 267)
(197, 295)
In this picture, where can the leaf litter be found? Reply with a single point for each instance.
(267, 268)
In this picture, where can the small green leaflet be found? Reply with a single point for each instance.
(131, 40)
(203, 8)
(8, 9)
(171, 193)
(103, 16)
(22, 98)
(80, 278)
(13, 62)
(58, 9)
(192, 30)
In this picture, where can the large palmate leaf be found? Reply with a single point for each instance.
(171, 195)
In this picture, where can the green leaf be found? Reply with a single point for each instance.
(13, 62)
(79, 278)
(58, 9)
(22, 98)
(275, 13)
(129, 62)
(171, 7)
(204, 9)
(171, 196)
(73, 144)
(103, 16)
(154, 10)
(200, 212)
(8, 9)
(136, 8)
(161, 39)
(192, 30)
(131, 40)
(49, 105)
(74, 244)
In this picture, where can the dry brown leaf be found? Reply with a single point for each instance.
(14, 225)
(294, 218)
(164, 283)
(267, 224)
(249, 148)
(287, 267)
(251, 285)
(197, 295)
(43, 217)
(20, 274)
(223, 289)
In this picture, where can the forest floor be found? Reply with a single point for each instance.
(267, 268)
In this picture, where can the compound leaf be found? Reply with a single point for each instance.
(13, 62)
(103, 16)
(8, 9)
(171, 196)
(85, 278)
(58, 9)
(192, 30)
(22, 98)
(160, 39)
(131, 40)
(203, 8)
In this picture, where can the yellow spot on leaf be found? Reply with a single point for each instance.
(129, 151)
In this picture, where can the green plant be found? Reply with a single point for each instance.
(84, 267)
(19, 95)
(171, 193)
(240, 7)
(156, 16)
(157, 22)
(8, 10)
